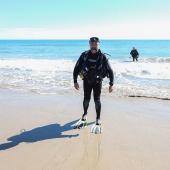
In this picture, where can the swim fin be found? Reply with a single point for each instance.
(97, 127)
(81, 124)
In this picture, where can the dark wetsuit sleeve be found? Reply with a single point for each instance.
(110, 71)
(77, 68)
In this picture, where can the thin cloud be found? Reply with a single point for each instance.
(125, 30)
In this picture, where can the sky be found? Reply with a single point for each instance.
(81, 19)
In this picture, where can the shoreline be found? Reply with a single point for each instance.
(80, 93)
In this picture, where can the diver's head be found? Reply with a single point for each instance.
(94, 44)
(134, 48)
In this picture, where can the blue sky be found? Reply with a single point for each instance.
(76, 19)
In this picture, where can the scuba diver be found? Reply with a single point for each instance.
(92, 66)
(134, 54)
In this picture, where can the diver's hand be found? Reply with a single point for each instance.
(110, 89)
(76, 86)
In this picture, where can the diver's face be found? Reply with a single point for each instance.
(94, 46)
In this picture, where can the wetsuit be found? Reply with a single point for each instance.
(134, 54)
(95, 85)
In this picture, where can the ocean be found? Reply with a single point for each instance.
(46, 66)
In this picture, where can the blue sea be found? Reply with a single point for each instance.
(46, 66)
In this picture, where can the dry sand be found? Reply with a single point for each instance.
(36, 133)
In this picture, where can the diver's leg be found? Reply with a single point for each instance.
(87, 96)
(133, 59)
(82, 123)
(97, 128)
(97, 92)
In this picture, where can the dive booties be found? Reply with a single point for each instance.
(81, 124)
(97, 127)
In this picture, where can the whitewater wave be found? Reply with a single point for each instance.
(142, 69)
(143, 78)
(37, 65)
(156, 59)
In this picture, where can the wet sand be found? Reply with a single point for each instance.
(36, 133)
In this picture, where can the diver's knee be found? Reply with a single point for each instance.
(86, 103)
(97, 104)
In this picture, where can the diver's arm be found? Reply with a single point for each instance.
(111, 74)
(77, 68)
(110, 71)
(137, 54)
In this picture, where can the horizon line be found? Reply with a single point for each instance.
(78, 39)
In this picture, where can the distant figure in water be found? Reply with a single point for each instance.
(134, 54)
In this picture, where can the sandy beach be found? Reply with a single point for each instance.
(36, 133)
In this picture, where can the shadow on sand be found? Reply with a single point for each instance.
(51, 131)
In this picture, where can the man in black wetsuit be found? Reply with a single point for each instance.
(134, 54)
(89, 67)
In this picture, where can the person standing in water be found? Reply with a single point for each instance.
(92, 67)
(134, 54)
